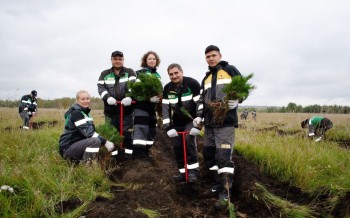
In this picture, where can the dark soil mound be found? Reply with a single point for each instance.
(150, 187)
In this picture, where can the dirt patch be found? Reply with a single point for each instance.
(149, 186)
(35, 125)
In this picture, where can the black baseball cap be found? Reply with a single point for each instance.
(212, 48)
(34, 93)
(117, 53)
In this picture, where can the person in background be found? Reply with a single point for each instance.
(318, 126)
(80, 141)
(28, 108)
(178, 109)
(218, 137)
(254, 114)
(112, 87)
(145, 119)
(244, 114)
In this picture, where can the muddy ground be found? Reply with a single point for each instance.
(153, 189)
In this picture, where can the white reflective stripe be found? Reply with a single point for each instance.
(110, 82)
(165, 101)
(139, 142)
(101, 82)
(128, 151)
(186, 98)
(201, 91)
(24, 101)
(114, 152)
(226, 170)
(89, 119)
(80, 122)
(123, 80)
(200, 107)
(35, 103)
(182, 170)
(104, 93)
(207, 86)
(25, 127)
(166, 121)
(223, 81)
(173, 101)
(193, 166)
(149, 142)
(132, 78)
(95, 135)
(138, 80)
(196, 98)
(92, 150)
(214, 167)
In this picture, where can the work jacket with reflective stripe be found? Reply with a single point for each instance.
(28, 103)
(211, 90)
(79, 125)
(111, 85)
(179, 103)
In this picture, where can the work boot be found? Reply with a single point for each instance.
(179, 178)
(192, 178)
(210, 193)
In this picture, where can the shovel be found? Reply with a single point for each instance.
(185, 155)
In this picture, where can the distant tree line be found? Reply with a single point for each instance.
(294, 108)
(62, 103)
(96, 103)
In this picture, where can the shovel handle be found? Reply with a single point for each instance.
(185, 155)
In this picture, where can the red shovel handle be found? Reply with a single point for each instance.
(121, 119)
(185, 155)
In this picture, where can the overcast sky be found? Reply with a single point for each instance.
(299, 51)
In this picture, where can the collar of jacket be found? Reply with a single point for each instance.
(220, 65)
(152, 70)
(121, 72)
(76, 106)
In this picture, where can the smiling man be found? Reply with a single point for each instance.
(178, 110)
(218, 136)
(112, 87)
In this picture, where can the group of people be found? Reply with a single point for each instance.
(185, 110)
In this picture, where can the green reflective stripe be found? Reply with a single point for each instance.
(109, 78)
(67, 120)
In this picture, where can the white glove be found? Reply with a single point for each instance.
(154, 99)
(126, 101)
(30, 113)
(109, 145)
(197, 121)
(194, 131)
(318, 139)
(311, 134)
(232, 104)
(172, 133)
(111, 101)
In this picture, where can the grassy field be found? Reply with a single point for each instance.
(42, 181)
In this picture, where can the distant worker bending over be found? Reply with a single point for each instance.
(318, 126)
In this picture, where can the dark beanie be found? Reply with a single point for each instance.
(212, 48)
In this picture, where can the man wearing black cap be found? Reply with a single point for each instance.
(218, 136)
(112, 87)
(28, 108)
